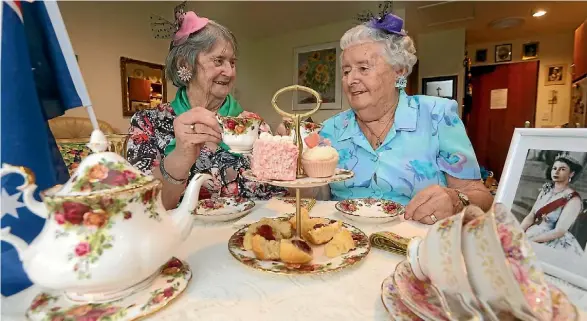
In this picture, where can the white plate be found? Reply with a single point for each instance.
(370, 210)
(223, 209)
(304, 182)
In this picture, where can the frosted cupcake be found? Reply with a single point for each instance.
(320, 159)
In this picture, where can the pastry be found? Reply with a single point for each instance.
(265, 249)
(340, 244)
(320, 159)
(274, 158)
(295, 251)
(321, 233)
(268, 228)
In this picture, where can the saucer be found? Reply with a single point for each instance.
(223, 209)
(370, 210)
(171, 280)
(562, 308)
(418, 296)
(392, 303)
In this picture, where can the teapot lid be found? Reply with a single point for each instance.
(101, 172)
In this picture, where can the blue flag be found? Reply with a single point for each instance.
(40, 79)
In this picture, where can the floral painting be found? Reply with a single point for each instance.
(317, 67)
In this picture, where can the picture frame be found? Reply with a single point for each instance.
(318, 67)
(555, 74)
(481, 55)
(444, 86)
(503, 53)
(530, 50)
(526, 185)
(143, 85)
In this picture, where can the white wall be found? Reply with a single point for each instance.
(102, 32)
(442, 53)
(553, 49)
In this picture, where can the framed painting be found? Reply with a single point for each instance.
(555, 74)
(544, 183)
(445, 86)
(143, 85)
(318, 67)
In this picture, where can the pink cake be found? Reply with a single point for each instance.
(274, 158)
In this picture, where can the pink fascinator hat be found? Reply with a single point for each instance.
(189, 23)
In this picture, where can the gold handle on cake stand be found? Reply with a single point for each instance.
(296, 118)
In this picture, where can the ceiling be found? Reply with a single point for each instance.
(248, 19)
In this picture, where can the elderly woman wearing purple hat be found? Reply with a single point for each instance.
(410, 149)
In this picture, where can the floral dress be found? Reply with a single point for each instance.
(563, 217)
(426, 141)
(152, 130)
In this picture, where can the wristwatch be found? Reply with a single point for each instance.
(463, 198)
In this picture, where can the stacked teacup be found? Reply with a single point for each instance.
(482, 267)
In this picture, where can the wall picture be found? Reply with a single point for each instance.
(445, 86)
(318, 67)
(530, 51)
(555, 75)
(544, 182)
(503, 53)
(481, 55)
(143, 85)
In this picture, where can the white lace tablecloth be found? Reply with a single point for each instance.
(224, 289)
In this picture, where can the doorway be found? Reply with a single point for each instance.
(491, 122)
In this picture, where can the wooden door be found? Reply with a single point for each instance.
(491, 130)
(580, 53)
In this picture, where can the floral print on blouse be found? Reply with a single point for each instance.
(152, 130)
(427, 139)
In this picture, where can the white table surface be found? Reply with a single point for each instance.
(225, 289)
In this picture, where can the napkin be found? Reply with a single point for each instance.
(390, 242)
(275, 207)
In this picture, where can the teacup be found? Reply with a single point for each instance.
(240, 133)
(499, 279)
(306, 128)
(438, 258)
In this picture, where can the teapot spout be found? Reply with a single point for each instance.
(20, 245)
(182, 215)
(28, 188)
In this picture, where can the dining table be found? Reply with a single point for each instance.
(223, 288)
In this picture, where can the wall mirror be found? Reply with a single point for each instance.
(143, 85)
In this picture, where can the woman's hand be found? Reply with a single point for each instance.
(193, 129)
(433, 200)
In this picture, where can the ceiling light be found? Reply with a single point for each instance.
(538, 13)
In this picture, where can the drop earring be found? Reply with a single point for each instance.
(401, 82)
(184, 74)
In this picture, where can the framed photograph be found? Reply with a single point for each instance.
(503, 53)
(530, 51)
(318, 67)
(445, 86)
(544, 182)
(555, 75)
(481, 55)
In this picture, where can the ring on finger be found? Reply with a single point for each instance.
(193, 127)
(433, 218)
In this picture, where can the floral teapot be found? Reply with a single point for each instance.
(106, 231)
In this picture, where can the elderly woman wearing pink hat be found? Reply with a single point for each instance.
(180, 139)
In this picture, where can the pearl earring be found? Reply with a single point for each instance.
(184, 74)
(401, 82)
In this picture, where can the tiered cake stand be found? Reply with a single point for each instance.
(320, 263)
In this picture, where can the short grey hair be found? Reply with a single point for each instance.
(398, 51)
(187, 53)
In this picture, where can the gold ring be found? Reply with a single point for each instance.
(433, 218)
(193, 127)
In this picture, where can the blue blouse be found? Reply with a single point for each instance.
(426, 140)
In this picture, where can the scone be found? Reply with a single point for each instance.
(270, 229)
(321, 233)
(295, 251)
(340, 244)
(265, 249)
(293, 220)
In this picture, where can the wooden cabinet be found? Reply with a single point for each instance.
(580, 52)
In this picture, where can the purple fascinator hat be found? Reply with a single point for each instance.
(385, 20)
(185, 24)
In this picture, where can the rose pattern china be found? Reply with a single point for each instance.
(320, 263)
(370, 210)
(223, 209)
(240, 133)
(95, 244)
(171, 280)
(304, 182)
(393, 304)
